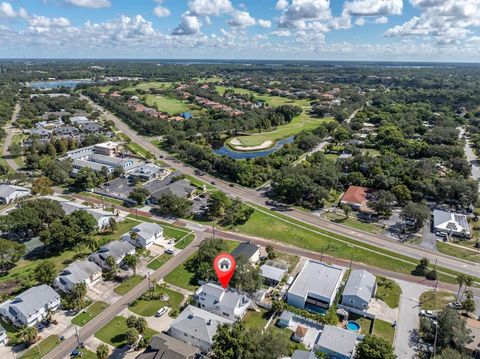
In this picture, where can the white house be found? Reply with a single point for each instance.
(78, 272)
(359, 290)
(10, 193)
(31, 306)
(315, 287)
(147, 234)
(197, 327)
(452, 224)
(116, 249)
(225, 302)
(3, 336)
(337, 343)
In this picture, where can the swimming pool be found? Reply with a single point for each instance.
(353, 326)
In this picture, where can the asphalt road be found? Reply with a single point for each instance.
(9, 129)
(65, 347)
(258, 198)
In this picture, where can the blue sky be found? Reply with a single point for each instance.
(408, 30)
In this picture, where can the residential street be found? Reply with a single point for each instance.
(258, 198)
(471, 157)
(10, 129)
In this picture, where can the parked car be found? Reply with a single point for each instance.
(171, 241)
(169, 251)
(161, 312)
(455, 305)
(428, 314)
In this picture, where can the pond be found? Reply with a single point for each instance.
(57, 83)
(225, 151)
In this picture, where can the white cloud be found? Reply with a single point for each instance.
(210, 7)
(281, 33)
(7, 11)
(42, 23)
(161, 11)
(265, 23)
(360, 21)
(241, 19)
(281, 4)
(93, 4)
(373, 7)
(190, 25)
(300, 11)
(381, 20)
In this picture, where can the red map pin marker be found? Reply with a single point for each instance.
(224, 265)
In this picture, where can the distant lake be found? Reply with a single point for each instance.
(237, 155)
(57, 83)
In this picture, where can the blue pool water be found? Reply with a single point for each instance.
(353, 326)
(225, 151)
(58, 83)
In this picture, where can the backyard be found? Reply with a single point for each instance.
(113, 332)
(148, 307)
(89, 313)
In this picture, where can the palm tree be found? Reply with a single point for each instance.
(468, 281)
(131, 261)
(91, 243)
(103, 351)
(133, 236)
(112, 266)
(29, 335)
(460, 280)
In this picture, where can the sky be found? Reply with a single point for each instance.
(395, 30)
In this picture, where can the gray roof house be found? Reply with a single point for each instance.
(147, 234)
(248, 250)
(31, 306)
(302, 354)
(273, 272)
(78, 272)
(315, 287)
(180, 188)
(102, 217)
(10, 193)
(92, 127)
(359, 290)
(116, 249)
(79, 120)
(225, 302)
(337, 343)
(197, 327)
(452, 224)
(164, 346)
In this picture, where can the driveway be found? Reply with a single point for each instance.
(406, 333)
(382, 311)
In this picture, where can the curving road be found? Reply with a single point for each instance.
(10, 129)
(258, 198)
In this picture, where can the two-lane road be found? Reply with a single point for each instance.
(258, 198)
(10, 129)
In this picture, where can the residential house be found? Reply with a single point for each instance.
(3, 336)
(164, 346)
(79, 120)
(180, 188)
(148, 172)
(146, 235)
(66, 132)
(78, 272)
(197, 327)
(40, 133)
(337, 343)
(10, 193)
(359, 290)
(116, 249)
(273, 272)
(92, 127)
(302, 354)
(31, 306)
(102, 217)
(315, 287)
(225, 302)
(248, 250)
(357, 197)
(451, 224)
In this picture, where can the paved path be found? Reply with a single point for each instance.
(471, 157)
(10, 129)
(258, 198)
(408, 320)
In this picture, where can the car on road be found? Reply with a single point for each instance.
(161, 312)
(75, 353)
(428, 314)
(169, 251)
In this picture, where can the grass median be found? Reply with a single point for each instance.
(89, 313)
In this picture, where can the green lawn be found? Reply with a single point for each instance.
(89, 313)
(169, 105)
(182, 278)
(128, 285)
(277, 227)
(365, 323)
(199, 183)
(88, 354)
(431, 301)
(458, 252)
(16, 139)
(286, 333)
(42, 348)
(139, 150)
(256, 319)
(159, 261)
(12, 332)
(148, 308)
(184, 242)
(114, 331)
(104, 198)
(354, 223)
(388, 291)
(384, 330)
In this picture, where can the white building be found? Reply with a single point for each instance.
(3, 336)
(225, 302)
(31, 306)
(10, 193)
(451, 224)
(116, 249)
(78, 272)
(315, 287)
(147, 234)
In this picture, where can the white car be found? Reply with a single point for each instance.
(428, 314)
(169, 251)
(161, 312)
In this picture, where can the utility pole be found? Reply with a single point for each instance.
(351, 257)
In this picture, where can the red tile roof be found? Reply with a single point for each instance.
(356, 195)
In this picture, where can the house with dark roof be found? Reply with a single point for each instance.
(181, 188)
(78, 272)
(164, 346)
(31, 306)
(451, 224)
(116, 249)
(248, 250)
(228, 303)
(197, 327)
(359, 290)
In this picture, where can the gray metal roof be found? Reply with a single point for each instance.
(79, 271)
(115, 249)
(180, 188)
(147, 229)
(317, 278)
(302, 354)
(199, 323)
(338, 340)
(455, 222)
(360, 284)
(7, 189)
(32, 299)
(272, 272)
(245, 249)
